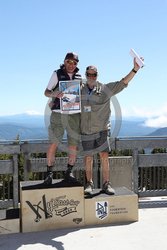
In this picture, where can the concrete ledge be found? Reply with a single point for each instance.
(11, 222)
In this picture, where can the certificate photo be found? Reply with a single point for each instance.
(71, 100)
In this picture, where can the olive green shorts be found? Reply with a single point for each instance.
(61, 123)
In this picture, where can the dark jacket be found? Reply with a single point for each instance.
(63, 76)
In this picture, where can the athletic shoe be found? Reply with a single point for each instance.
(48, 179)
(107, 188)
(69, 177)
(89, 188)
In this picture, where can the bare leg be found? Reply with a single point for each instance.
(51, 154)
(72, 155)
(88, 169)
(105, 166)
(106, 174)
(89, 174)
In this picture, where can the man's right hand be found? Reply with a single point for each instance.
(56, 94)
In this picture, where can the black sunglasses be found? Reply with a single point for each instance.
(89, 74)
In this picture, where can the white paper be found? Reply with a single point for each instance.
(137, 57)
(70, 103)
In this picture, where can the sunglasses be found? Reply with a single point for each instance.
(89, 74)
(71, 62)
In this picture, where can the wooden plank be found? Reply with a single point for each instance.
(153, 193)
(139, 143)
(152, 160)
(15, 182)
(121, 171)
(39, 164)
(39, 147)
(6, 166)
(9, 149)
(34, 147)
(6, 204)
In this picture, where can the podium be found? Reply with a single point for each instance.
(64, 206)
(57, 206)
(119, 208)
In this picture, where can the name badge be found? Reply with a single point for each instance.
(87, 108)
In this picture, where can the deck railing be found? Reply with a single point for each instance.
(143, 172)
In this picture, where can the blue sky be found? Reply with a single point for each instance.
(36, 35)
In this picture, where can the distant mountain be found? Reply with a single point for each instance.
(25, 119)
(159, 132)
(133, 128)
(12, 131)
(29, 126)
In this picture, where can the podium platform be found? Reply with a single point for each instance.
(62, 206)
(57, 206)
(105, 209)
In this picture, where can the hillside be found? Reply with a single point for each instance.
(24, 119)
(159, 132)
(11, 131)
(134, 128)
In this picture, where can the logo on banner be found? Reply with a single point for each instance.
(59, 206)
(101, 209)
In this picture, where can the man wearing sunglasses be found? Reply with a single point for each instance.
(95, 121)
(59, 123)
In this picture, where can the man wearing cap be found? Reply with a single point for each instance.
(59, 123)
(95, 120)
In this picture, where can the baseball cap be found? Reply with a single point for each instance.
(91, 67)
(72, 56)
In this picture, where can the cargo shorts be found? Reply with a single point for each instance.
(95, 143)
(64, 123)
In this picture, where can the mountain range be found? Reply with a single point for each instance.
(22, 126)
(27, 127)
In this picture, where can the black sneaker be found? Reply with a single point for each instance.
(69, 177)
(48, 179)
(107, 188)
(89, 187)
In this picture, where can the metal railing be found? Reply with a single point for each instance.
(145, 173)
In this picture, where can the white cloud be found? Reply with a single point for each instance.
(154, 117)
(32, 112)
(28, 112)
(156, 122)
(145, 112)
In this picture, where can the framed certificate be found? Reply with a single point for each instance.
(70, 103)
